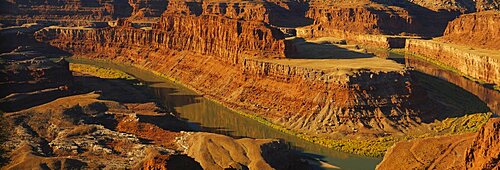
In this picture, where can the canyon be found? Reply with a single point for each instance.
(97, 118)
(306, 68)
(464, 48)
(466, 151)
(337, 99)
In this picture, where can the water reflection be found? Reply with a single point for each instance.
(205, 115)
(487, 95)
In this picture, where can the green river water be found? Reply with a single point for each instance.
(205, 115)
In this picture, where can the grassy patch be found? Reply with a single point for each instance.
(464, 124)
(99, 71)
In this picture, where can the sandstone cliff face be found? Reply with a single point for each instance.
(331, 20)
(326, 17)
(342, 18)
(478, 29)
(307, 103)
(467, 151)
(337, 102)
(227, 38)
(209, 52)
(479, 64)
(484, 152)
(66, 9)
(78, 11)
(189, 28)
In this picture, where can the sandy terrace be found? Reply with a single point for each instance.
(341, 66)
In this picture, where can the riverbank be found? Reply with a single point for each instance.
(454, 58)
(403, 52)
(108, 115)
(371, 147)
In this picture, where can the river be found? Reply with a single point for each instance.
(205, 115)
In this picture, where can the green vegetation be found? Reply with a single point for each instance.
(374, 147)
(467, 123)
(462, 101)
(99, 71)
(444, 66)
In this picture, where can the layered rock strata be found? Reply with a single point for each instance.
(480, 64)
(339, 18)
(348, 105)
(479, 30)
(92, 131)
(468, 46)
(79, 12)
(364, 17)
(466, 151)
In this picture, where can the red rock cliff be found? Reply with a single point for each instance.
(181, 29)
(478, 29)
(360, 18)
(479, 150)
(305, 104)
(212, 53)
(484, 152)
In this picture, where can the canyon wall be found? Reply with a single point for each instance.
(484, 152)
(479, 30)
(466, 151)
(306, 105)
(228, 39)
(360, 18)
(79, 12)
(59, 10)
(322, 18)
(483, 65)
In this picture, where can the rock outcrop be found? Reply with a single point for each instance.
(331, 17)
(466, 151)
(86, 131)
(480, 30)
(469, 46)
(363, 17)
(245, 153)
(480, 64)
(79, 12)
(26, 83)
(210, 58)
(484, 152)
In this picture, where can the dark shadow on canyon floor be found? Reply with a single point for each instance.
(444, 80)
(303, 49)
(433, 22)
(294, 16)
(457, 102)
